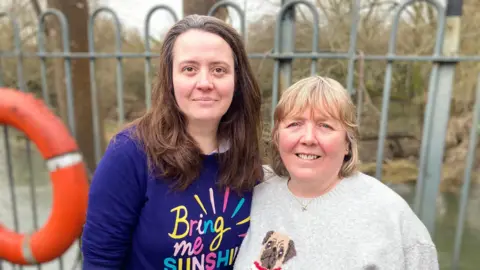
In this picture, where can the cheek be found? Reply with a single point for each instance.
(334, 145)
(286, 142)
(181, 87)
(226, 87)
(181, 90)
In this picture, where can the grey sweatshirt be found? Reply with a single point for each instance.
(360, 224)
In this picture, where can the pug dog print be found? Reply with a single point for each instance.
(277, 249)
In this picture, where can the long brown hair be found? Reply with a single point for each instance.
(172, 153)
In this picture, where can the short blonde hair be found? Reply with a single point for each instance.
(319, 94)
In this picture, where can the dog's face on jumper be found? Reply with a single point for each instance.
(277, 249)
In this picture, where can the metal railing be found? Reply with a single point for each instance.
(436, 114)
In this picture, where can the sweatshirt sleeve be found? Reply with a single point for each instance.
(419, 250)
(421, 256)
(116, 196)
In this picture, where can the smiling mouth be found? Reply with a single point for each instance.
(203, 99)
(307, 156)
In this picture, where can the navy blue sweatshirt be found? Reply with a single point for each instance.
(134, 221)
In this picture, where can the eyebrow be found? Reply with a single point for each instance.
(298, 118)
(211, 64)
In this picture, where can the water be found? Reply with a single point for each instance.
(447, 208)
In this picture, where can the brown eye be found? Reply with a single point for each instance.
(219, 70)
(188, 69)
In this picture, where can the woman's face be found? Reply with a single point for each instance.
(203, 76)
(312, 147)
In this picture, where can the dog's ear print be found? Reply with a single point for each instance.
(267, 236)
(291, 251)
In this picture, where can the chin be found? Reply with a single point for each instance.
(206, 118)
(304, 176)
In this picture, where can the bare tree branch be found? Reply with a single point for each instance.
(36, 7)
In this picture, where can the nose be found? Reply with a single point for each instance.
(308, 136)
(204, 81)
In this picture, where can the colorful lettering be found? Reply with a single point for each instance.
(180, 219)
(219, 223)
(192, 225)
(189, 254)
(211, 261)
(233, 252)
(199, 225)
(221, 259)
(197, 246)
(198, 264)
(169, 264)
(206, 225)
(214, 260)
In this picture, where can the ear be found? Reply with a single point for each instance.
(291, 251)
(267, 236)
(348, 149)
(348, 146)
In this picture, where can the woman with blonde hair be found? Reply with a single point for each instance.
(315, 210)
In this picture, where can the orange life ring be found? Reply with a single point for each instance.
(68, 177)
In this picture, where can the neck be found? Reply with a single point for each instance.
(311, 189)
(205, 134)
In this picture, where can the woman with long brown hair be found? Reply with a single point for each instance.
(173, 190)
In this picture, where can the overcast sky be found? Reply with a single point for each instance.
(133, 12)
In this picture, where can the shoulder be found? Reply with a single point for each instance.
(394, 208)
(124, 140)
(379, 193)
(269, 184)
(124, 152)
(124, 143)
(122, 165)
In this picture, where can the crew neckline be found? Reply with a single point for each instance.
(340, 189)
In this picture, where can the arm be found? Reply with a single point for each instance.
(116, 197)
(421, 256)
(419, 250)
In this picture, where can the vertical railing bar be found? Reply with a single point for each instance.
(434, 131)
(119, 65)
(10, 176)
(4, 127)
(119, 77)
(360, 89)
(277, 46)
(387, 84)
(432, 88)
(467, 178)
(148, 63)
(43, 75)
(353, 45)
(427, 127)
(67, 68)
(11, 181)
(67, 63)
(93, 88)
(22, 87)
(237, 8)
(286, 67)
(315, 38)
(31, 178)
